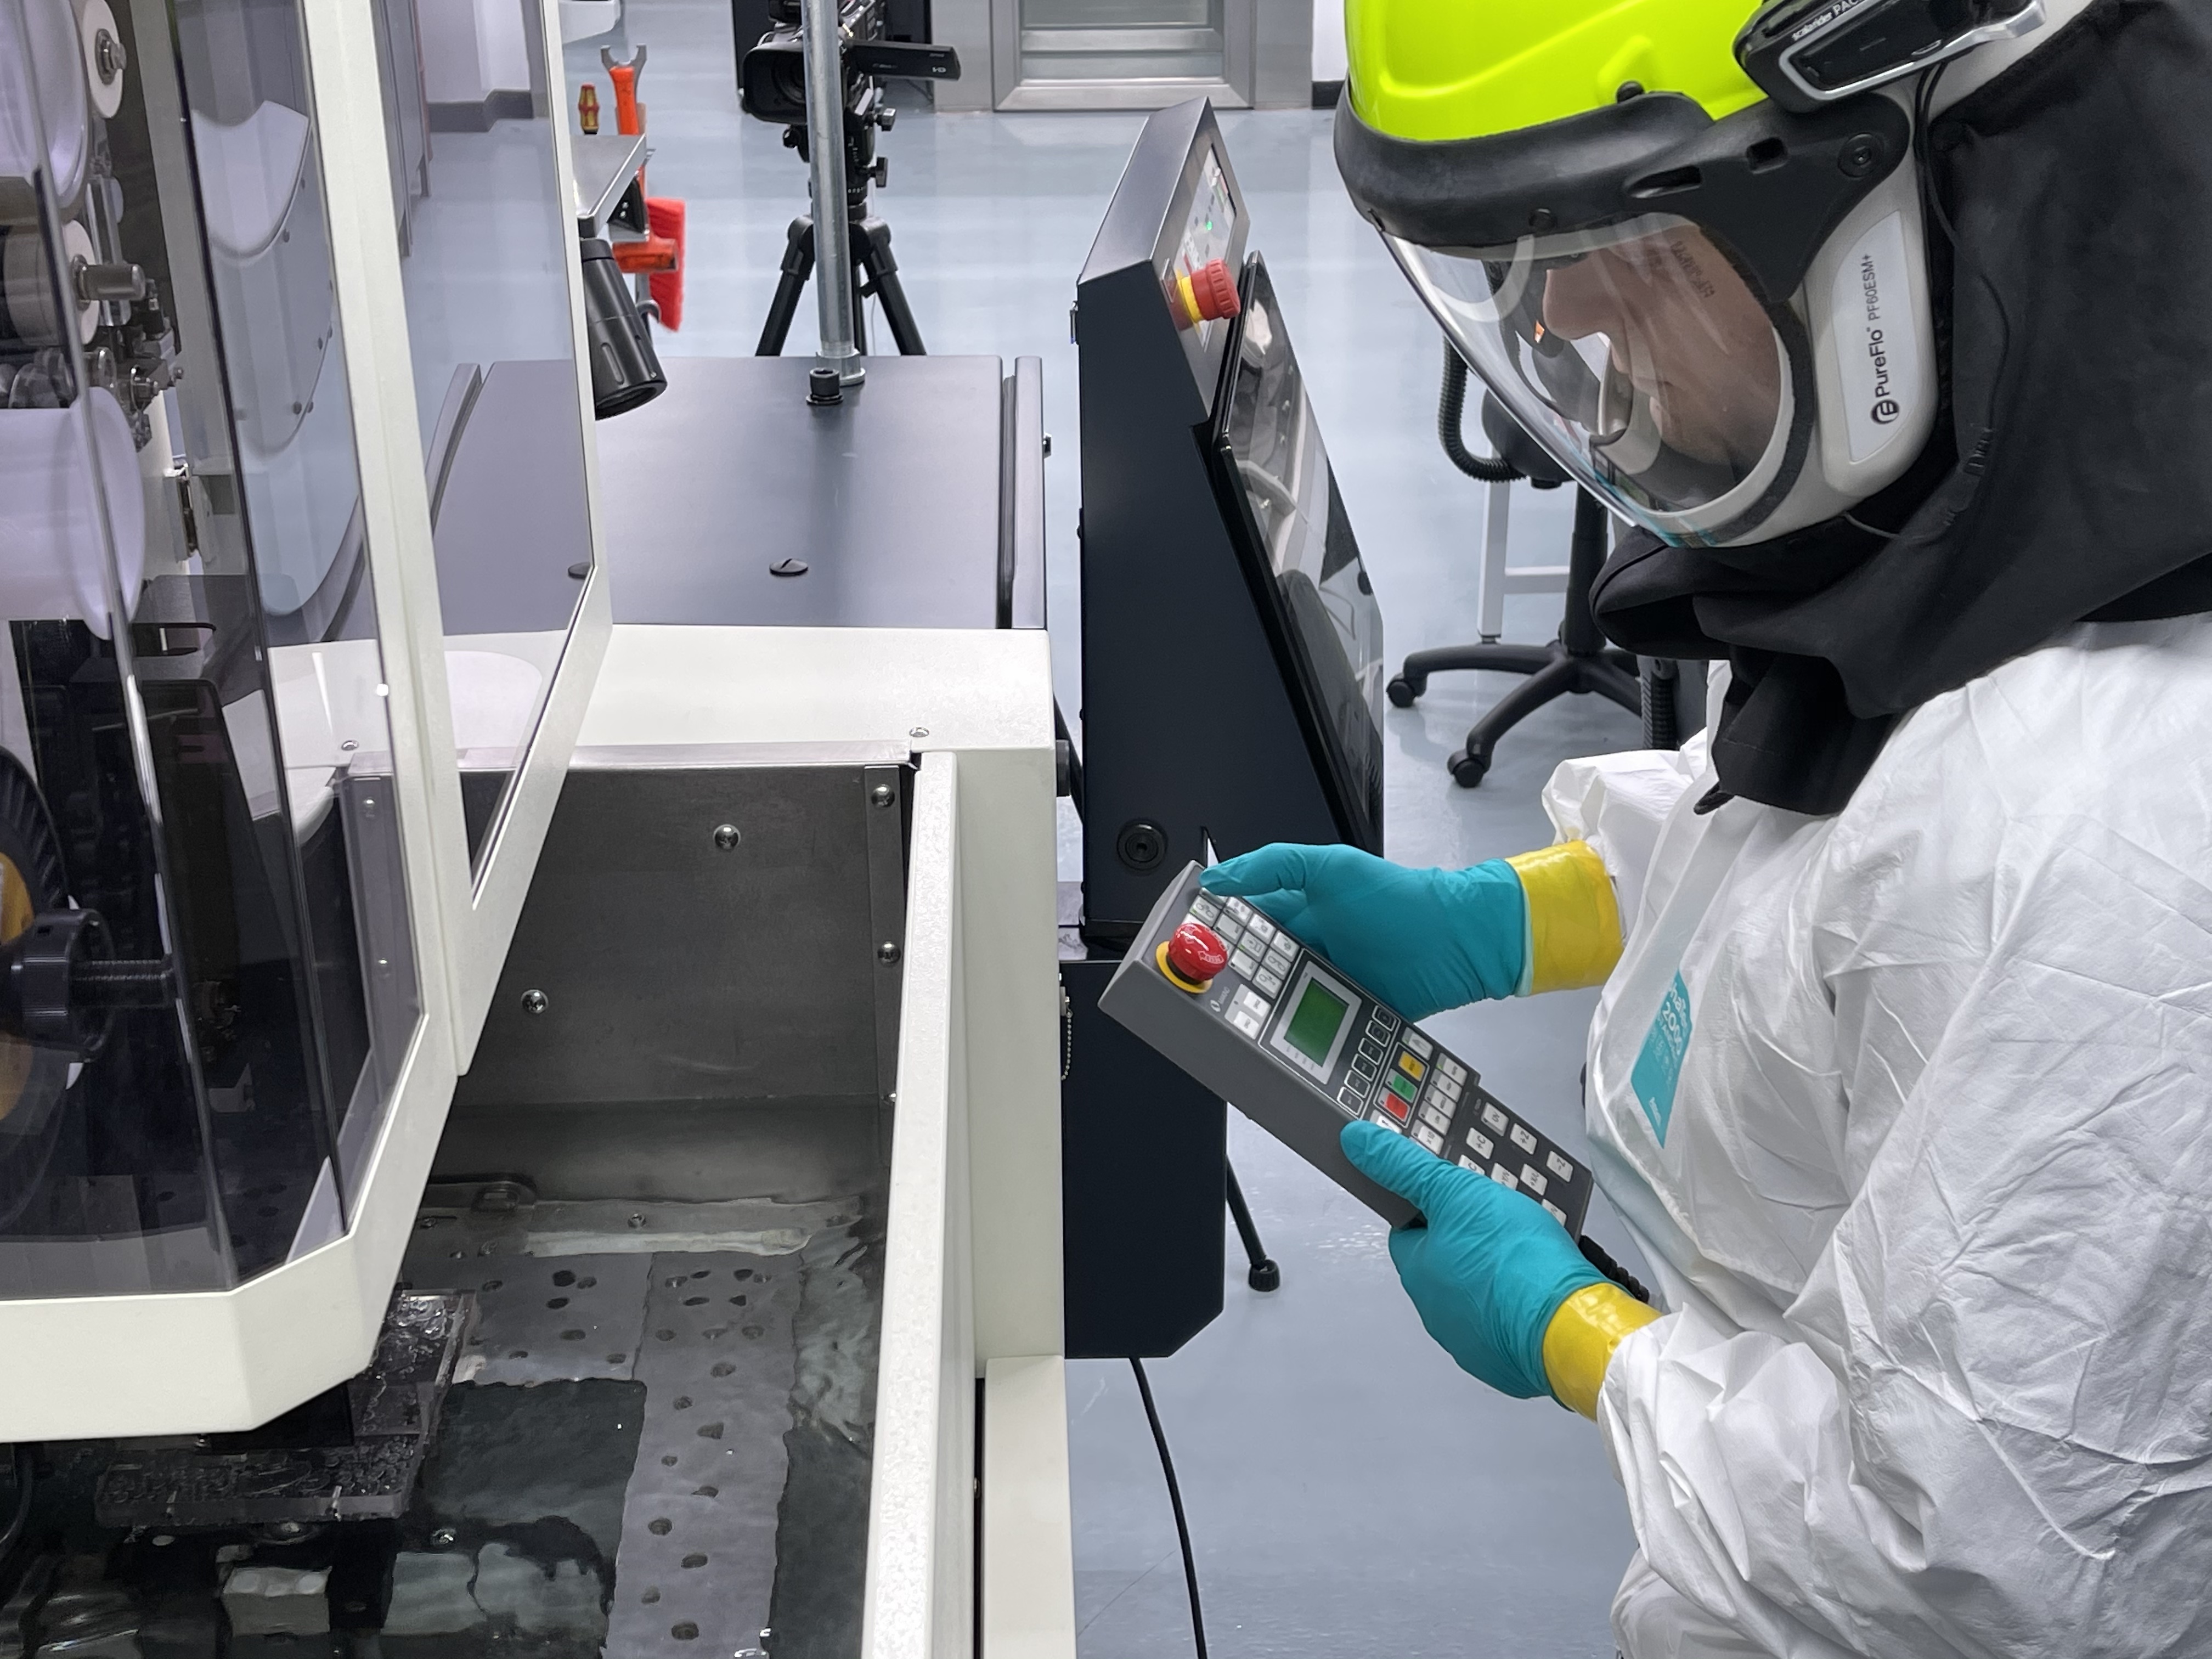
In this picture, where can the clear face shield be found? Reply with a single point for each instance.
(1636, 354)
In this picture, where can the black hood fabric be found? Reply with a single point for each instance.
(2070, 478)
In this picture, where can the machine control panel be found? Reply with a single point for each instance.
(1242, 1005)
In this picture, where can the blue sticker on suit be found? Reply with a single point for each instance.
(1658, 1065)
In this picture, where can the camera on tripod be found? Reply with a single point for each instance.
(772, 87)
(772, 74)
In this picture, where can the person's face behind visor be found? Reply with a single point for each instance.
(1688, 354)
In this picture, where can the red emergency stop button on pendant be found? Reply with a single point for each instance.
(1193, 956)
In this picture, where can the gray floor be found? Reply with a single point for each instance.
(1350, 1491)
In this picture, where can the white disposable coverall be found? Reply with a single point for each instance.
(1919, 1153)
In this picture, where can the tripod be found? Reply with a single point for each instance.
(875, 277)
(875, 272)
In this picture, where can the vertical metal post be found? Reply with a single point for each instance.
(825, 144)
(1495, 525)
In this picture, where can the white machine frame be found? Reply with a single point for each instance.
(203, 1361)
(477, 912)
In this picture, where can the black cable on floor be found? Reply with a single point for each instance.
(1175, 1497)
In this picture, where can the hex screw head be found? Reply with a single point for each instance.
(726, 836)
(535, 1002)
(882, 795)
(888, 951)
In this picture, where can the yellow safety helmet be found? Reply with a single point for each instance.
(1680, 241)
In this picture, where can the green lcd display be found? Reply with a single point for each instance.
(1313, 1028)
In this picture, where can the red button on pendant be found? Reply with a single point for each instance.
(1195, 954)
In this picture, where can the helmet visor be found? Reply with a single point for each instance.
(1636, 354)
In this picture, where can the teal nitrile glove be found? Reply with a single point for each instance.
(1488, 1272)
(1420, 940)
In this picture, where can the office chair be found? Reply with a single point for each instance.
(1578, 660)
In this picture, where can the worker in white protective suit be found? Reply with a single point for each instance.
(1901, 1075)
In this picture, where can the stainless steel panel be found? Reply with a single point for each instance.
(699, 934)
(887, 811)
(1190, 37)
(1022, 537)
(1133, 92)
(684, 1152)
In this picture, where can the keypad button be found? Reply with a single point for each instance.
(1428, 1138)
(1381, 1025)
(1248, 997)
(1361, 1086)
(1399, 1112)
(1559, 1166)
(1420, 1044)
(1445, 1087)
(1504, 1177)
(1372, 1055)
(1228, 933)
(1557, 1214)
(1244, 1022)
(1260, 929)
(1411, 1067)
(1203, 909)
(1533, 1179)
(1362, 1068)
(1401, 1086)
(1279, 959)
(1269, 981)
(1239, 910)
(1494, 1118)
(1348, 1096)
(1523, 1137)
(1452, 1069)
(1467, 1163)
(1436, 1120)
(1481, 1143)
(1245, 964)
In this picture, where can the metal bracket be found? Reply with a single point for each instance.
(885, 794)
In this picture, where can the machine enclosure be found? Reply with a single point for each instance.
(1145, 1147)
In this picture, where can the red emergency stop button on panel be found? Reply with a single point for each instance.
(1213, 286)
(1193, 956)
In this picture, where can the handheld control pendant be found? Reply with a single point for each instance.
(1301, 1049)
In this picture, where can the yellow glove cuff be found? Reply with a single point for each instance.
(1578, 1343)
(1574, 926)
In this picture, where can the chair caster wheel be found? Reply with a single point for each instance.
(1264, 1276)
(1402, 691)
(1467, 769)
